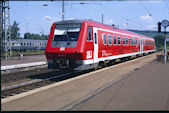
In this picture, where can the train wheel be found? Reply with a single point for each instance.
(101, 65)
(111, 63)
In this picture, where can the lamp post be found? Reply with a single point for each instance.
(63, 9)
(165, 24)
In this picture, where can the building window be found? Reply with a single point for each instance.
(109, 39)
(114, 40)
(104, 38)
(89, 36)
(118, 38)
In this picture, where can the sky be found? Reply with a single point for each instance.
(33, 17)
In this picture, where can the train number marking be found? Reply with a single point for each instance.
(104, 53)
(89, 54)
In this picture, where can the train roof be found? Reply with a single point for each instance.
(100, 25)
(109, 27)
(27, 40)
(71, 21)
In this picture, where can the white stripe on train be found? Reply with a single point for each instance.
(110, 57)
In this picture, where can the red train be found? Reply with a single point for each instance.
(85, 44)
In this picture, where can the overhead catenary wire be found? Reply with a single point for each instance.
(129, 11)
(145, 8)
(78, 12)
(153, 19)
(117, 13)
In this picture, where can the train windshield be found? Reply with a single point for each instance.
(66, 35)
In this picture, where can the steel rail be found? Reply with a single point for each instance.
(31, 82)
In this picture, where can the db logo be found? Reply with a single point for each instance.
(89, 54)
(62, 48)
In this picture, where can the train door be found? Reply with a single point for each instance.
(141, 45)
(95, 52)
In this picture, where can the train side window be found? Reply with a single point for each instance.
(126, 41)
(114, 40)
(118, 38)
(129, 41)
(109, 39)
(146, 42)
(95, 38)
(123, 41)
(24, 43)
(89, 36)
(104, 38)
(21, 44)
(136, 41)
(132, 41)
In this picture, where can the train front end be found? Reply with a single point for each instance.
(65, 45)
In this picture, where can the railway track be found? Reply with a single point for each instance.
(39, 80)
(6, 78)
(33, 84)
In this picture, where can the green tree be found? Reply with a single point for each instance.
(159, 39)
(15, 30)
(27, 35)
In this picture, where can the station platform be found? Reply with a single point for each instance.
(25, 61)
(146, 89)
(139, 84)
